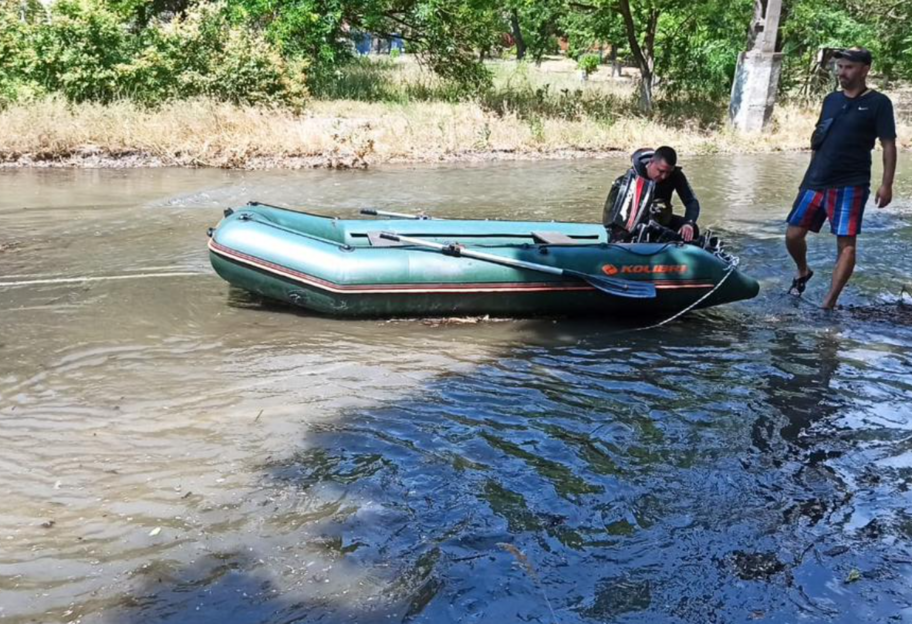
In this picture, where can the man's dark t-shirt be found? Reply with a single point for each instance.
(844, 158)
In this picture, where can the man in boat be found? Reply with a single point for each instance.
(837, 183)
(660, 166)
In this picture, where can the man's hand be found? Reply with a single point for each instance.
(686, 232)
(884, 196)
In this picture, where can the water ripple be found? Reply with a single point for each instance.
(174, 451)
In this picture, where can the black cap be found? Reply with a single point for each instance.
(855, 55)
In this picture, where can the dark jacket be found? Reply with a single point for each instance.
(677, 181)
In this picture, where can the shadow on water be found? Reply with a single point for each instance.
(735, 466)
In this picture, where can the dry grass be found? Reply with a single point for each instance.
(356, 134)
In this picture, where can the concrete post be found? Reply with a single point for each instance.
(756, 81)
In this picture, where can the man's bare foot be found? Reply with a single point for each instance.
(828, 304)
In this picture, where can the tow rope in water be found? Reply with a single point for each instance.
(731, 269)
(100, 278)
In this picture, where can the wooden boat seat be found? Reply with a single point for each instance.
(377, 241)
(553, 238)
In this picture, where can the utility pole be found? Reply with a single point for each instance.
(757, 75)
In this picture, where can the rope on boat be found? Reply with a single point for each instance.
(100, 278)
(731, 269)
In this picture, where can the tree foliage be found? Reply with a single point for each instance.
(810, 25)
(698, 45)
(258, 50)
(83, 50)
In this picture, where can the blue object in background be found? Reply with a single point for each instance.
(363, 43)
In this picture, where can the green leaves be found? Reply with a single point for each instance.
(589, 63)
(77, 51)
(87, 52)
(697, 46)
(258, 50)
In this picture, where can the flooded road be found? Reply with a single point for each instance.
(172, 450)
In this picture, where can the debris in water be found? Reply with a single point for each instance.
(836, 550)
(155, 531)
(527, 566)
(520, 557)
(895, 314)
(756, 566)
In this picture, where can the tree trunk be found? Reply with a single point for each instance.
(645, 55)
(645, 86)
(517, 37)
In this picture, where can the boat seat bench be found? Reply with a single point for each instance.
(553, 238)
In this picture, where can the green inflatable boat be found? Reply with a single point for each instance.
(437, 267)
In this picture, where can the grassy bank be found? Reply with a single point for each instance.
(532, 113)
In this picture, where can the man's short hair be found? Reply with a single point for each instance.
(667, 154)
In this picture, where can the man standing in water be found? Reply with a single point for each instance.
(838, 180)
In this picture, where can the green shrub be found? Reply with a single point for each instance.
(687, 109)
(531, 103)
(363, 79)
(86, 52)
(204, 54)
(589, 63)
(11, 42)
(77, 51)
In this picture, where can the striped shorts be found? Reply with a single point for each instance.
(843, 206)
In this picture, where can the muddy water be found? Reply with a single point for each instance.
(172, 450)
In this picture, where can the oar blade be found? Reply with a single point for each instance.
(618, 287)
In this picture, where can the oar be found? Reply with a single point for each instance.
(396, 215)
(610, 285)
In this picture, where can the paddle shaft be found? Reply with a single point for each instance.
(396, 215)
(609, 285)
(457, 250)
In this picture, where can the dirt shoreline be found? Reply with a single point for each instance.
(133, 160)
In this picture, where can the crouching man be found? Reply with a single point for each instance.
(660, 166)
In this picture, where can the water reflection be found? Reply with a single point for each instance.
(800, 390)
(177, 451)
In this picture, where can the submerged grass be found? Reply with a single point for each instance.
(392, 112)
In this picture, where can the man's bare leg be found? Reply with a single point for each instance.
(796, 243)
(845, 265)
